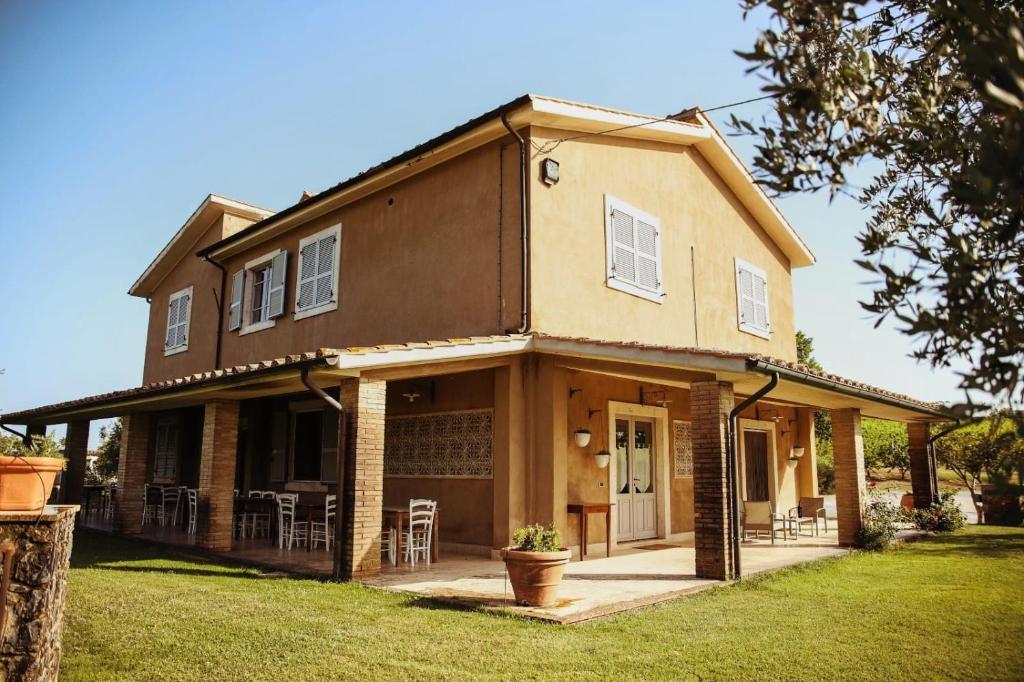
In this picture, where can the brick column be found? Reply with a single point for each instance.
(33, 430)
(216, 496)
(710, 404)
(364, 403)
(921, 471)
(76, 447)
(131, 471)
(848, 449)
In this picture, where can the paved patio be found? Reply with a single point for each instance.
(631, 578)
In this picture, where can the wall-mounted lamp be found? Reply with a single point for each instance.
(582, 437)
(602, 458)
(797, 453)
(549, 171)
(411, 397)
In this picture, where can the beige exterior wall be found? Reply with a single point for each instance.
(697, 211)
(419, 261)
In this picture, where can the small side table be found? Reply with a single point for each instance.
(583, 510)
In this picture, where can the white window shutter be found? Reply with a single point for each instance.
(306, 290)
(173, 306)
(235, 308)
(648, 255)
(760, 303)
(746, 285)
(624, 253)
(325, 270)
(752, 299)
(184, 317)
(278, 272)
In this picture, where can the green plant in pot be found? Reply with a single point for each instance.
(535, 562)
(27, 472)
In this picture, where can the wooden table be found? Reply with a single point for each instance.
(400, 515)
(584, 509)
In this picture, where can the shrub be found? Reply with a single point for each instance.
(537, 538)
(42, 446)
(944, 516)
(826, 467)
(879, 528)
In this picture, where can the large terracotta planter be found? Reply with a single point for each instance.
(26, 482)
(535, 576)
(907, 501)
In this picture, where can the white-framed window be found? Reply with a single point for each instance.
(752, 300)
(257, 293)
(316, 277)
(314, 443)
(179, 312)
(633, 248)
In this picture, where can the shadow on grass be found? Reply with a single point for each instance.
(998, 545)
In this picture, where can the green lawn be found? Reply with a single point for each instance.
(951, 607)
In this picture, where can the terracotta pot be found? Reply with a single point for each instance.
(535, 576)
(26, 482)
(907, 501)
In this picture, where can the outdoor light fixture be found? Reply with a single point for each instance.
(549, 171)
(798, 452)
(602, 458)
(582, 437)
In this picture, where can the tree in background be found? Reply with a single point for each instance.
(989, 449)
(928, 96)
(109, 451)
(886, 445)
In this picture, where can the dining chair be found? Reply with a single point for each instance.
(323, 531)
(193, 507)
(417, 539)
(289, 531)
(149, 509)
(389, 544)
(257, 522)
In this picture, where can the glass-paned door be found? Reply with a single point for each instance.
(637, 507)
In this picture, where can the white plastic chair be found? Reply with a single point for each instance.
(323, 531)
(389, 544)
(417, 539)
(257, 522)
(149, 509)
(289, 531)
(193, 506)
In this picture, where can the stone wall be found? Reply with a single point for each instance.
(30, 636)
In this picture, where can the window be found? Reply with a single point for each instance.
(633, 248)
(179, 311)
(257, 293)
(165, 455)
(316, 283)
(752, 299)
(314, 443)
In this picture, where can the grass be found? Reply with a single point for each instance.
(949, 607)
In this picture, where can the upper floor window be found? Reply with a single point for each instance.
(633, 248)
(316, 288)
(257, 293)
(179, 311)
(752, 299)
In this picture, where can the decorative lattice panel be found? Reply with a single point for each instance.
(441, 445)
(682, 443)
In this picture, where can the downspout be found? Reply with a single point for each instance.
(524, 232)
(220, 308)
(730, 469)
(343, 508)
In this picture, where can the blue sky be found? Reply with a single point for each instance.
(118, 118)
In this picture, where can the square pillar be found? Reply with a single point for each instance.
(549, 441)
(710, 404)
(848, 449)
(807, 467)
(922, 473)
(216, 491)
(131, 472)
(32, 430)
(510, 452)
(363, 401)
(76, 447)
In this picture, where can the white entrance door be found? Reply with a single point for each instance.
(637, 505)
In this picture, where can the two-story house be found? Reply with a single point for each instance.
(472, 308)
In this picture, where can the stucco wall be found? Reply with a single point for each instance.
(419, 261)
(697, 211)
